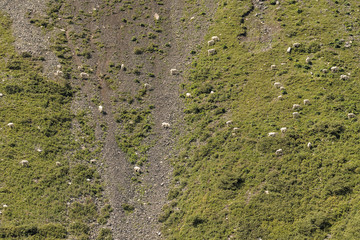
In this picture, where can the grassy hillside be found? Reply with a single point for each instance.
(230, 179)
(54, 196)
(229, 183)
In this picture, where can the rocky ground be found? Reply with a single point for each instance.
(29, 38)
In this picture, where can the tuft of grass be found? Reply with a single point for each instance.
(137, 125)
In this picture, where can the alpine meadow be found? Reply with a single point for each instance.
(179, 119)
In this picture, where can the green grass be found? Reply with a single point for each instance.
(42, 199)
(222, 176)
(35, 195)
(136, 126)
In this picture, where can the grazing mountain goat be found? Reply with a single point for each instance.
(122, 67)
(215, 38)
(165, 125)
(279, 152)
(296, 106)
(24, 163)
(211, 51)
(137, 169)
(296, 114)
(211, 42)
(58, 73)
(283, 129)
(277, 84)
(156, 16)
(229, 122)
(272, 134)
(174, 71)
(306, 102)
(84, 75)
(344, 77)
(334, 69)
(101, 109)
(351, 115)
(147, 86)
